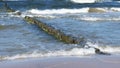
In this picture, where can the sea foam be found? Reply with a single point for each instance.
(90, 1)
(58, 11)
(83, 1)
(78, 52)
(115, 9)
(71, 11)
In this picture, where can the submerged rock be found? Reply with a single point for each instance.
(100, 10)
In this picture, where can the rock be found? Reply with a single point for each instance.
(55, 32)
(97, 51)
(8, 9)
(99, 10)
(17, 13)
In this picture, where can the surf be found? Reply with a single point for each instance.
(76, 52)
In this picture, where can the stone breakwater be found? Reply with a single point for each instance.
(56, 33)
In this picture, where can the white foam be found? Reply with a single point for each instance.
(99, 19)
(51, 12)
(110, 49)
(104, 0)
(79, 52)
(90, 19)
(74, 52)
(58, 11)
(105, 48)
(40, 13)
(83, 1)
(115, 9)
(90, 1)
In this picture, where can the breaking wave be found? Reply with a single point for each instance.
(98, 19)
(58, 11)
(90, 1)
(96, 14)
(71, 11)
(115, 9)
(78, 52)
(83, 1)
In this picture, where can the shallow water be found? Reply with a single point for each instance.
(18, 39)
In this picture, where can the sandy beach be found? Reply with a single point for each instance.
(65, 62)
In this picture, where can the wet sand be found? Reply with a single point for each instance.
(65, 62)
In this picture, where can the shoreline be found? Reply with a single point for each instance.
(64, 62)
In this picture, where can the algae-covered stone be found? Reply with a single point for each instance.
(29, 20)
(55, 32)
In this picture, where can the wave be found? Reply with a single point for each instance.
(71, 11)
(78, 52)
(105, 48)
(104, 0)
(83, 1)
(115, 9)
(87, 14)
(35, 54)
(58, 11)
(96, 14)
(44, 13)
(90, 1)
(98, 19)
(112, 9)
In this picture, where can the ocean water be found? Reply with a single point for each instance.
(20, 40)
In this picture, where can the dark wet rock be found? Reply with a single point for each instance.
(55, 32)
(97, 51)
(17, 13)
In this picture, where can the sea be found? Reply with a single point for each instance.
(98, 21)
